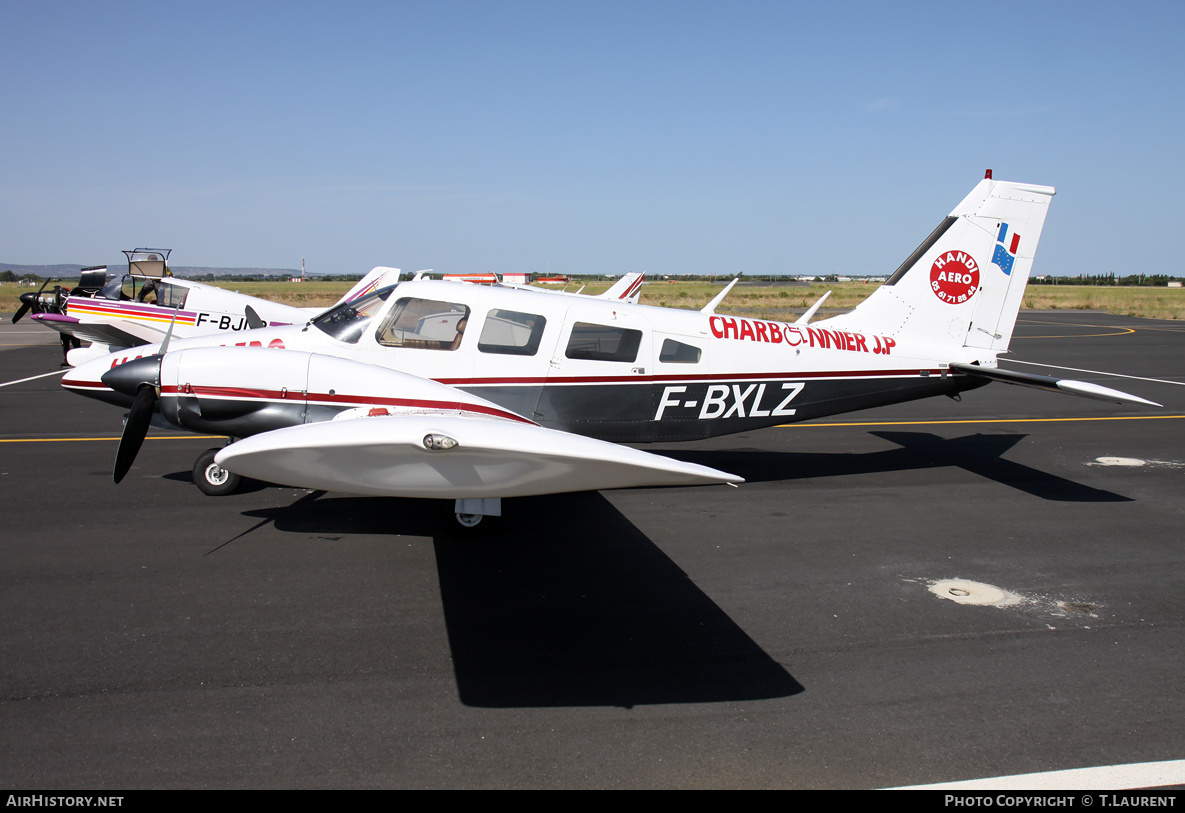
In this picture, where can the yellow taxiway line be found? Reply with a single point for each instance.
(987, 420)
(780, 426)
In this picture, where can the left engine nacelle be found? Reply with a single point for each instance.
(235, 391)
(242, 391)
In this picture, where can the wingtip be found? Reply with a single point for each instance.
(1101, 393)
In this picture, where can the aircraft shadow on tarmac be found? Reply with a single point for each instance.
(980, 454)
(568, 603)
(565, 603)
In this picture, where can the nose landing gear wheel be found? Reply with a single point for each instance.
(211, 478)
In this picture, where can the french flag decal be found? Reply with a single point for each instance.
(1005, 256)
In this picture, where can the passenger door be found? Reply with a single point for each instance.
(598, 377)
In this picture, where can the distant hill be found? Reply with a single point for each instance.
(68, 270)
(197, 271)
(42, 270)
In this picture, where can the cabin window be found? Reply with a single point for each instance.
(603, 343)
(511, 333)
(348, 321)
(169, 295)
(674, 352)
(424, 324)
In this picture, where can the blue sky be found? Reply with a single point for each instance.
(670, 137)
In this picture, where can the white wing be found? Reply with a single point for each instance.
(487, 457)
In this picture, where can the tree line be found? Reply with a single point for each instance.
(1131, 280)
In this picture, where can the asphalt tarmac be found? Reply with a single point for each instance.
(782, 634)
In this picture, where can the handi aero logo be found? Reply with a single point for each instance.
(1005, 256)
(954, 277)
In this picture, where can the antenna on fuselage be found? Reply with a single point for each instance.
(711, 306)
(806, 317)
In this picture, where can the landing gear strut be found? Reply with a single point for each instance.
(469, 517)
(212, 479)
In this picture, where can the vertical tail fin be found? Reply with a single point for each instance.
(963, 286)
(378, 277)
(627, 289)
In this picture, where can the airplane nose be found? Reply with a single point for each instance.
(127, 378)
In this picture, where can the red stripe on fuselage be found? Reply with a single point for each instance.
(243, 393)
(691, 378)
(101, 308)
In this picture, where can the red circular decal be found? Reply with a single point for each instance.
(954, 277)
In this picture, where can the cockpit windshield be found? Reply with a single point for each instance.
(348, 321)
(113, 289)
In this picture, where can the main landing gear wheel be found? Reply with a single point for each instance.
(211, 478)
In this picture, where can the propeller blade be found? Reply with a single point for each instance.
(21, 311)
(164, 346)
(134, 430)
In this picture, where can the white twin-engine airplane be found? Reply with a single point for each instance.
(475, 393)
(143, 305)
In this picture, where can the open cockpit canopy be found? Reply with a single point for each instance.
(148, 262)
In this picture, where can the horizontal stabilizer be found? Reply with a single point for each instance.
(1041, 382)
(451, 457)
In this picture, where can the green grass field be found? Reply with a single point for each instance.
(778, 302)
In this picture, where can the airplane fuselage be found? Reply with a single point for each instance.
(608, 370)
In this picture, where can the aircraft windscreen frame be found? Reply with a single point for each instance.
(348, 321)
